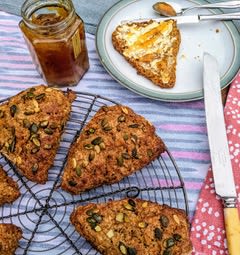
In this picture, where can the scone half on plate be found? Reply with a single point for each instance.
(151, 48)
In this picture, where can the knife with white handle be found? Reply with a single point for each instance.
(219, 151)
(190, 19)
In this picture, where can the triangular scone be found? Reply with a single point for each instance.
(115, 143)
(133, 227)
(31, 125)
(151, 48)
(9, 190)
(9, 238)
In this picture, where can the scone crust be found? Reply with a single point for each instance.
(31, 124)
(144, 227)
(9, 190)
(114, 144)
(10, 235)
(168, 63)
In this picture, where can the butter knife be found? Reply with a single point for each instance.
(190, 19)
(219, 151)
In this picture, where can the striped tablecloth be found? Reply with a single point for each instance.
(181, 125)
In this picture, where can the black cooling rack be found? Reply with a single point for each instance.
(43, 211)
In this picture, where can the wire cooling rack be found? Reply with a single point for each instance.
(42, 211)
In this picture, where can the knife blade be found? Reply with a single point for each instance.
(217, 138)
(190, 19)
(219, 151)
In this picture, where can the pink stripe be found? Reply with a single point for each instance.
(12, 57)
(11, 39)
(191, 155)
(21, 78)
(195, 105)
(193, 185)
(19, 85)
(189, 185)
(183, 127)
(100, 75)
(9, 29)
(9, 22)
(17, 66)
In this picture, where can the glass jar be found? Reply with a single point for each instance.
(55, 37)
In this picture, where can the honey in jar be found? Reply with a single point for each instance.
(55, 37)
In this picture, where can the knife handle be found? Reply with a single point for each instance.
(222, 16)
(232, 226)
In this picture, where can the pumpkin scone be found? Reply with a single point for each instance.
(133, 227)
(10, 235)
(9, 190)
(151, 47)
(31, 125)
(115, 143)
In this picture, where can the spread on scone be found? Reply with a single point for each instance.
(115, 143)
(151, 48)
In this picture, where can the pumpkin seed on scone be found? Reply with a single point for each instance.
(31, 125)
(114, 144)
(133, 227)
(9, 190)
(10, 235)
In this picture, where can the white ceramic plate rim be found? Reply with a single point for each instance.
(163, 95)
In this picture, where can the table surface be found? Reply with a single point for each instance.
(181, 125)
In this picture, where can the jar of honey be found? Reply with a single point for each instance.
(55, 37)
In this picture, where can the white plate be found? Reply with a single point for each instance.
(221, 39)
